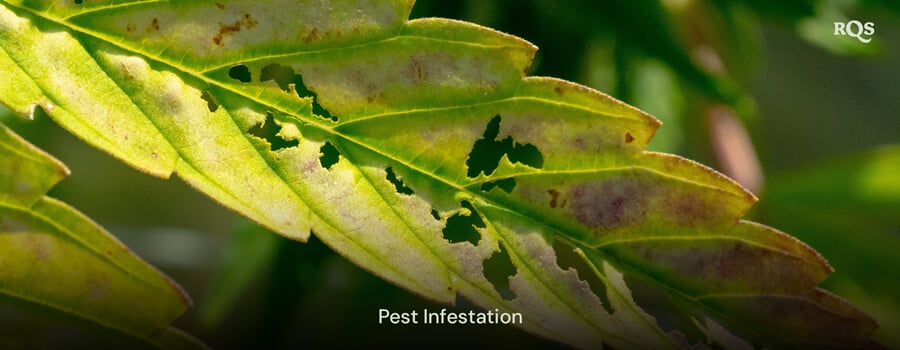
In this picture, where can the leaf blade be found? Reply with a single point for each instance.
(412, 96)
(42, 238)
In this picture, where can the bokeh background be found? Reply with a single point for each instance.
(760, 90)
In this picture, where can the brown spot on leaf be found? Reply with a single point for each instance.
(558, 90)
(313, 35)
(628, 137)
(126, 71)
(554, 194)
(580, 144)
(220, 5)
(610, 204)
(249, 22)
(416, 71)
(130, 27)
(229, 29)
(154, 25)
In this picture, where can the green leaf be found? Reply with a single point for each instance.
(59, 270)
(375, 132)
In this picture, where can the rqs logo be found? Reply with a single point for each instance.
(855, 29)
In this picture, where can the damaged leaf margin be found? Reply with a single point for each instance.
(311, 123)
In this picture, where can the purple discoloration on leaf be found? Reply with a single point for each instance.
(610, 204)
(690, 209)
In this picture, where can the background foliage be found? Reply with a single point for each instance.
(821, 111)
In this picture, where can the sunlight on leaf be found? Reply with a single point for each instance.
(307, 117)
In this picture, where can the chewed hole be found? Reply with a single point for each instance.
(461, 227)
(328, 155)
(398, 183)
(282, 75)
(498, 269)
(269, 130)
(567, 258)
(240, 73)
(668, 313)
(488, 151)
(507, 185)
(285, 76)
(211, 103)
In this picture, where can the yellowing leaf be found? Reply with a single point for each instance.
(347, 120)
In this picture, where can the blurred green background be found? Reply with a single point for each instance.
(760, 90)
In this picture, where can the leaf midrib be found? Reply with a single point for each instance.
(312, 121)
(331, 130)
(66, 233)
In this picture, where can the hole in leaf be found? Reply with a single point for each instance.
(668, 313)
(285, 76)
(567, 258)
(435, 214)
(487, 152)
(498, 269)
(507, 184)
(78, 2)
(211, 103)
(461, 226)
(398, 183)
(269, 130)
(329, 155)
(240, 73)
(282, 75)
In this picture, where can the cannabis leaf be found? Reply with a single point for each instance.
(420, 151)
(110, 293)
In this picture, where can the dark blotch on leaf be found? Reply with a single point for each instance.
(229, 29)
(507, 185)
(154, 25)
(461, 228)
(628, 137)
(329, 155)
(498, 269)
(487, 152)
(78, 2)
(610, 204)
(690, 209)
(240, 73)
(210, 101)
(554, 196)
(398, 184)
(269, 130)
